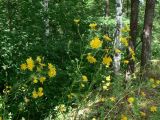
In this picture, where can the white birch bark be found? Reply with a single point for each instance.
(117, 43)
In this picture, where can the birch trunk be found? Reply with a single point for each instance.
(117, 43)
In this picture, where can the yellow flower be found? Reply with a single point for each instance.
(34, 94)
(84, 78)
(62, 108)
(95, 43)
(76, 21)
(107, 60)
(125, 29)
(40, 92)
(124, 41)
(117, 50)
(151, 80)
(108, 78)
(153, 109)
(107, 38)
(91, 59)
(23, 66)
(30, 64)
(35, 80)
(50, 66)
(93, 26)
(130, 100)
(113, 99)
(40, 89)
(39, 59)
(123, 117)
(42, 79)
(52, 70)
(126, 61)
(26, 100)
(154, 86)
(105, 87)
(108, 84)
(143, 114)
(131, 51)
(133, 57)
(143, 94)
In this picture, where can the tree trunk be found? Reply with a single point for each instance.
(107, 8)
(133, 30)
(147, 33)
(117, 43)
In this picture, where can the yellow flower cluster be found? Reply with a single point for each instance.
(125, 61)
(123, 117)
(84, 78)
(117, 50)
(130, 100)
(154, 83)
(124, 41)
(153, 109)
(112, 99)
(41, 79)
(23, 66)
(93, 26)
(91, 59)
(35, 79)
(39, 93)
(38, 77)
(143, 94)
(132, 53)
(52, 70)
(143, 114)
(125, 29)
(28, 65)
(106, 83)
(107, 60)
(95, 43)
(60, 108)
